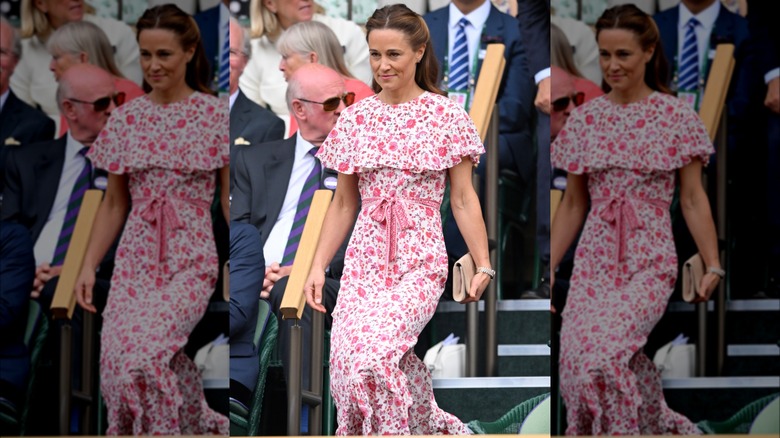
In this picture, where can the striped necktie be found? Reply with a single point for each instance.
(688, 78)
(459, 61)
(223, 72)
(301, 213)
(72, 212)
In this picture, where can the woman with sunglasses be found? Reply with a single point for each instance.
(394, 153)
(625, 153)
(84, 42)
(165, 152)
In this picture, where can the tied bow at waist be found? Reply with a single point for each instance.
(392, 212)
(620, 212)
(161, 213)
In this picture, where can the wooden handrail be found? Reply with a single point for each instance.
(714, 98)
(487, 88)
(294, 300)
(64, 302)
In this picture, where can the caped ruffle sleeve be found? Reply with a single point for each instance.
(188, 136)
(660, 132)
(428, 133)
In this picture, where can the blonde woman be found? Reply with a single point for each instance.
(262, 81)
(33, 81)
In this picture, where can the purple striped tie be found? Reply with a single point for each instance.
(304, 202)
(74, 203)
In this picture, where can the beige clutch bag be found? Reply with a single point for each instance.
(693, 271)
(463, 271)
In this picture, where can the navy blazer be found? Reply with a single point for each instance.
(20, 123)
(32, 176)
(252, 123)
(517, 91)
(259, 186)
(747, 83)
(534, 19)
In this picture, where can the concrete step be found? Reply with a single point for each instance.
(748, 322)
(486, 398)
(712, 398)
(524, 360)
(520, 324)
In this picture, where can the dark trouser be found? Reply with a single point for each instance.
(43, 417)
(543, 181)
(247, 270)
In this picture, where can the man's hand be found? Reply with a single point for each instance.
(543, 96)
(272, 274)
(772, 100)
(43, 273)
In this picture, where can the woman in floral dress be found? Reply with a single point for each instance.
(394, 152)
(164, 152)
(625, 153)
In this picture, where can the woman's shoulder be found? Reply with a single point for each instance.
(111, 26)
(340, 26)
(358, 87)
(130, 88)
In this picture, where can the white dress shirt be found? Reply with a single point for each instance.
(275, 244)
(707, 19)
(47, 240)
(3, 98)
(477, 19)
(233, 99)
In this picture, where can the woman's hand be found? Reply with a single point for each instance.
(707, 286)
(313, 289)
(478, 285)
(83, 289)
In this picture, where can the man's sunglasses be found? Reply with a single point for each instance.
(333, 103)
(563, 103)
(104, 102)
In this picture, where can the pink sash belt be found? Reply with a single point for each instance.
(161, 213)
(620, 212)
(392, 212)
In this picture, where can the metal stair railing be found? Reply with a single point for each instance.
(714, 117)
(484, 113)
(62, 307)
(292, 306)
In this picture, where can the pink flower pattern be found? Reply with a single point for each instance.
(396, 264)
(166, 263)
(625, 264)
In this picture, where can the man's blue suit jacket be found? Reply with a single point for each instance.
(747, 82)
(516, 94)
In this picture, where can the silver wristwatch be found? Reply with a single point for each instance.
(490, 272)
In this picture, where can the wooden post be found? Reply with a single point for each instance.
(294, 300)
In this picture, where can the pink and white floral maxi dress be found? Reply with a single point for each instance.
(166, 263)
(625, 265)
(396, 264)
